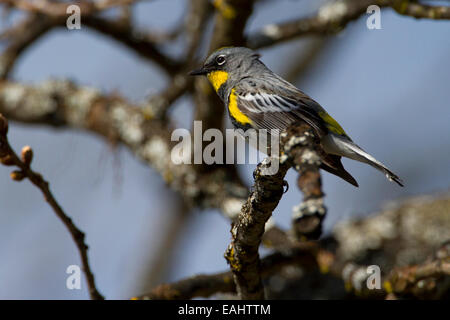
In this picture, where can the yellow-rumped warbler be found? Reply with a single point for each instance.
(258, 98)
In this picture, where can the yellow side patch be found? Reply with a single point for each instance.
(217, 78)
(331, 124)
(234, 110)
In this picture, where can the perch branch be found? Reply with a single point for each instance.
(242, 254)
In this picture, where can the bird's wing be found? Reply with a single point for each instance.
(272, 103)
(275, 104)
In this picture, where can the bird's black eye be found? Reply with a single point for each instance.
(220, 60)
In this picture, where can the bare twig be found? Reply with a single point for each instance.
(9, 157)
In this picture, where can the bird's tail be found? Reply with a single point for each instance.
(345, 147)
(332, 163)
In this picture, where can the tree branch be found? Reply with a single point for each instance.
(242, 254)
(59, 9)
(334, 16)
(356, 246)
(426, 280)
(21, 37)
(208, 285)
(9, 157)
(418, 10)
(133, 39)
(64, 104)
(44, 18)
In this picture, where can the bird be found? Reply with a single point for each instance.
(257, 98)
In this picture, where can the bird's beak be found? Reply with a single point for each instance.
(198, 72)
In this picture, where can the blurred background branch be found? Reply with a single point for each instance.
(341, 259)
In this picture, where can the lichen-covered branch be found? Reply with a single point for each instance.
(405, 240)
(196, 286)
(64, 104)
(334, 16)
(390, 239)
(331, 18)
(418, 10)
(59, 9)
(9, 158)
(242, 254)
(308, 216)
(208, 285)
(430, 279)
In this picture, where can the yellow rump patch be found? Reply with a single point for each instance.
(234, 110)
(217, 78)
(331, 124)
(227, 10)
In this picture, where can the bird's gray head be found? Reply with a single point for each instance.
(226, 66)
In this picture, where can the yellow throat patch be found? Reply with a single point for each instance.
(217, 78)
